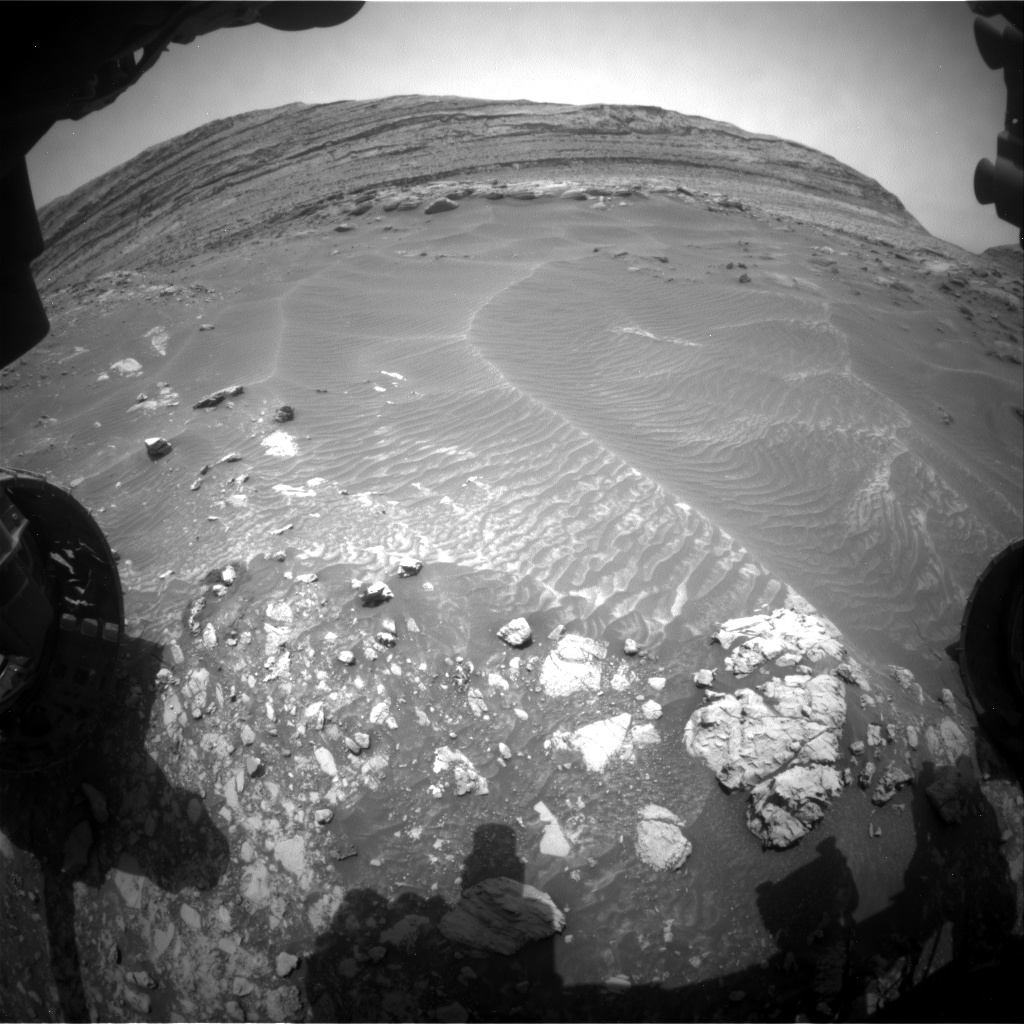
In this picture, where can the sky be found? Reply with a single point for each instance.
(897, 91)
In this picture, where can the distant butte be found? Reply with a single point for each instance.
(270, 173)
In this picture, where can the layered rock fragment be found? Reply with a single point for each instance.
(501, 915)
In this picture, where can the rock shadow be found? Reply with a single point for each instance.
(109, 810)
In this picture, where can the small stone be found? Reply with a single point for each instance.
(705, 678)
(657, 682)
(285, 964)
(516, 633)
(651, 710)
(363, 740)
(441, 206)
(323, 816)
(505, 752)
(307, 577)
(629, 647)
(353, 747)
(252, 765)
(947, 699)
(284, 414)
(347, 658)
(386, 639)
(409, 566)
(857, 747)
(248, 736)
(234, 1011)
(157, 447)
(190, 916)
(377, 593)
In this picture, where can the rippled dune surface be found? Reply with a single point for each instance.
(633, 416)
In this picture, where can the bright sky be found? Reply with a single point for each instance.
(898, 91)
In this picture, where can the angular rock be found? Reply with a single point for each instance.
(890, 782)
(409, 566)
(516, 633)
(553, 842)
(347, 658)
(501, 915)
(573, 665)
(323, 815)
(209, 401)
(376, 593)
(285, 964)
(629, 647)
(705, 678)
(157, 447)
(284, 1003)
(783, 809)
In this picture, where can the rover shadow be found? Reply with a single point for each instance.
(109, 807)
(387, 959)
(943, 949)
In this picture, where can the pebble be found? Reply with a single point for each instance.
(505, 752)
(248, 736)
(705, 678)
(347, 658)
(285, 964)
(323, 815)
(629, 647)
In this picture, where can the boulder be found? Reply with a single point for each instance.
(784, 808)
(516, 633)
(501, 915)
(157, 447)
(781, 743)
(573, 665)
(218, 396)
(441, 206)
(746, 736)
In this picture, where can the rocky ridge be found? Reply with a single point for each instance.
(269, 172)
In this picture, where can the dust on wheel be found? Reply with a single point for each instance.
(992, 647)
(61, 622)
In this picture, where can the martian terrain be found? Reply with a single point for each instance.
(710, 411)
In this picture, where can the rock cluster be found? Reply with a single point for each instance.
(780, 741)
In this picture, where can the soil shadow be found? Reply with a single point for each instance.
(134, 824)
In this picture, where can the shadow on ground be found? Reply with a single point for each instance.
(942, 950)
(136, 825)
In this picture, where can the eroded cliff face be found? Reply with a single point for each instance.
(261, 174)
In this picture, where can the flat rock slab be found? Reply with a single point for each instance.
(502, 915)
